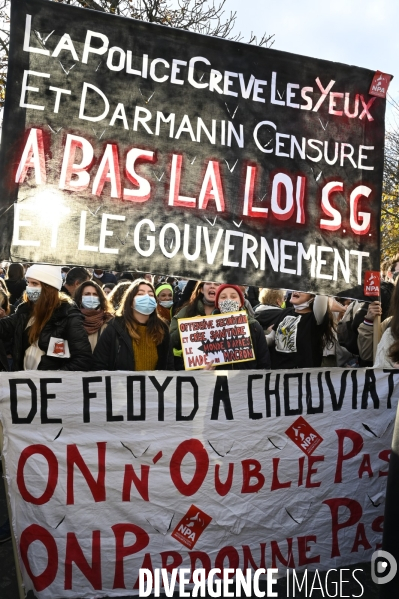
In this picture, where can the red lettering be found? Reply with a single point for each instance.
(355, 513)
(249, 560)
(175, 563)
(74, 553)
(212, 188)
(384, 456)
(223, 488)
(52, 476)
(122, 550)
(81, 178)
(303, 550)
(147, 564)
(108, 172)
(276, 554)
(144, 188)
(313, 459)
(33, 157)
(140, 484)
(34, 532)
(251, 469)
(360, 539)
(232, 555)
(97, 487)
(276, 484)
(203, 558)
(357, 446)
(365, 466)
(196, 448)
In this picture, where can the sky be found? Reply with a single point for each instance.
(363, 33)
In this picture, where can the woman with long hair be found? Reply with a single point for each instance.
(137, 338)
(15, 281)
(96, 309)
(301, 332)
(47, 327)
(201, 303)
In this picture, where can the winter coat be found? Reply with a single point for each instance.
(65, 323)
(15, 289)
(114, 350)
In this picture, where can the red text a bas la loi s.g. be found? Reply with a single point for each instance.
(248, 476)
(287, 191)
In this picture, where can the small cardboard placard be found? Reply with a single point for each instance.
(379, 85)
(372, 283)
(191, 527)
(220, 338)
(304, 435)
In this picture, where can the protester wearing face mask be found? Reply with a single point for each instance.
(95, 308)
(201, 303)
(164, 295)
(47, 327)
(230, 298)
(137, 338)
(301, 332)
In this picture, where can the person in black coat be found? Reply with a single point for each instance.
(15, 282)
(230, 298)
(137, 338)
(47, 328)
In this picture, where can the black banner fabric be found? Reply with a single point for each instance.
(132, 146)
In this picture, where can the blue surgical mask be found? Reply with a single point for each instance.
(145, 304)
(91, 302)
(166, 304)
(33, 293)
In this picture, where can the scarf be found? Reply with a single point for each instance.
(94, 319)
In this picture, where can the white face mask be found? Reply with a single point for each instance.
(33, 293)
(304, 305)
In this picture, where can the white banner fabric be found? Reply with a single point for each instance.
(110, 472)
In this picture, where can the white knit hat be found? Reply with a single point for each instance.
(46, 274)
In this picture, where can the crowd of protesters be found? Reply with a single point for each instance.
(54, 318)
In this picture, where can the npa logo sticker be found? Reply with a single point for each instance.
(379, 85)
(191, 527)
(304, 435)
(372, 282)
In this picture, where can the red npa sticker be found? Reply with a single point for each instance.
(191, 527)
(379, 85)
(372, 283)
(304, 435)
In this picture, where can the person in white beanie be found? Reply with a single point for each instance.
(47, 327)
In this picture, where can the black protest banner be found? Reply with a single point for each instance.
(128, 145)
(218, 339)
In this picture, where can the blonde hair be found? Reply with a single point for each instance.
(271, 297)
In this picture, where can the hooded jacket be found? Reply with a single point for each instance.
(114, 350)
(66, 322)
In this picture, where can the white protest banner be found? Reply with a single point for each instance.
(283, 469)
(221, 338)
